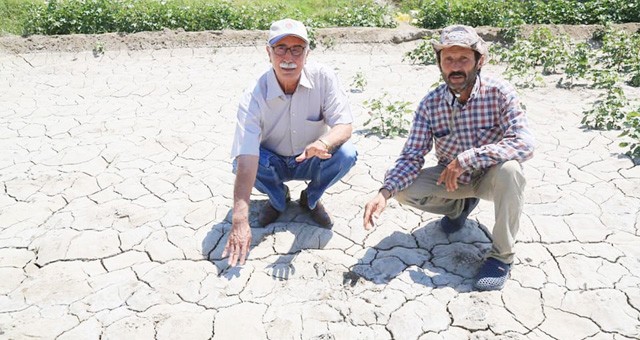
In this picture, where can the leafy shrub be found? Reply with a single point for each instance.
(553, 12)
(389, 119)
(12, 15)
(423, 54)
(608, 112)
(365, 15)
(434, 14)
(632, 132)
(578, 63)
(504, 13)
(617, 11)
(542, 48)
(359, 82)
(100, 16)
(511, 33)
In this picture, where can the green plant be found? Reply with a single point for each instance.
(511, 33)
(521, 66)
(368, 14)
(12, 15)
(423, 53)
(542, 49)
(505, 13)
(359, 82)
(603, 78)
(616, 50)
(434, 14)
(389, 119)
(635, 76)
(616, 59)
(608, 112)
(100, 16)
(98, 49)
(579, 63)
(329, 43)
(621, 50)
(631, 130)
(311, 31)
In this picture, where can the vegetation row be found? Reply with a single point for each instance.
(100, 16)
(507, 13)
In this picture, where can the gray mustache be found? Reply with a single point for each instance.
(288, 65)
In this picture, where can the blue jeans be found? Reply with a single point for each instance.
(274, 170)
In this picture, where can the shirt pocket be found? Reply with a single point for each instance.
(488, 135)
(445, 141)
(314, 129)
(315, 116)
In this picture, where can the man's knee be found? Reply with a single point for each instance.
(402, 197)
(346, 154)
(510, 175)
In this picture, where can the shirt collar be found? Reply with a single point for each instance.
(273, 87)
(474, 91)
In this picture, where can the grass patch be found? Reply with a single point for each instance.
(12, 15)
(305, 8)
(101, 16)
(505, 13)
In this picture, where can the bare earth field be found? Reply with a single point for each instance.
(116, 189)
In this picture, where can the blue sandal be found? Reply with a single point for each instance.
(493, 275)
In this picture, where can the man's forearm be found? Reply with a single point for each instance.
(246, 170)
(337, 135)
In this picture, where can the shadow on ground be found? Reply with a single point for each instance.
(294, 221)
(433, 258)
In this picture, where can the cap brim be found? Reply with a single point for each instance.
(275, 40)
(440, 47)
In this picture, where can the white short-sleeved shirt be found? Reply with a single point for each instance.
(286, 124)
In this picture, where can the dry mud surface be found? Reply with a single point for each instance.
(116, 192)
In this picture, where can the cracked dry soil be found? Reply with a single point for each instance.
(116, 197)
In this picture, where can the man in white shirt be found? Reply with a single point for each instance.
(294, 124)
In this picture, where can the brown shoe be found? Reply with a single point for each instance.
(267, 215)
(319, 214)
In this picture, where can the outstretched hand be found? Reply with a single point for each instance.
(315, 149)
(238, 243)
(373, 209)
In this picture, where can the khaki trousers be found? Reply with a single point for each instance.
(503, 184)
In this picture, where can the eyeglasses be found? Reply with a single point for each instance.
(282, 50)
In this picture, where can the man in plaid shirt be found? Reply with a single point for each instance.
(481, 136)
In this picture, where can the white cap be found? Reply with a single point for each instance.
(286, 27)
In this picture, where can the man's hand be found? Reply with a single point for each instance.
(315, 149)
(238, 242)
(374, 208)
(450, 175)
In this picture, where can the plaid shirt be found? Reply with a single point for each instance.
(491, 128)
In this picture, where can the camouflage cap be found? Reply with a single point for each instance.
(460, 35)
